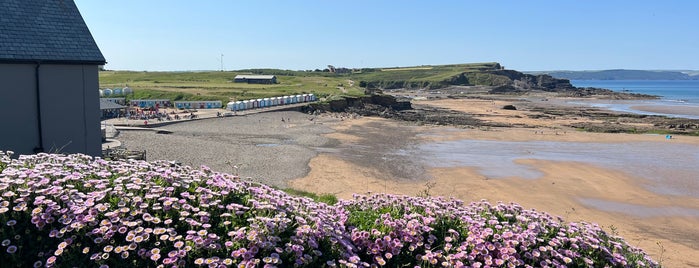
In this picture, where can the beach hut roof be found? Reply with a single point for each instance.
(108, 105)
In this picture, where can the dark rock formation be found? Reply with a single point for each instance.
(379, 101)
(387, 106)
(534, 82)
(521, 83)
(390, 101)
(506, 89)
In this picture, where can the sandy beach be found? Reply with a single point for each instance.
(688, 110)
(259, 146)
(649, 107)
(663, 225)
(343, 156)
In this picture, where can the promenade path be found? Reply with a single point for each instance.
(114, 125)
(199, 115)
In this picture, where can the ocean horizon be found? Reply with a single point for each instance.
(677, 98)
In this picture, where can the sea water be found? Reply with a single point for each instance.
(682, 94)
(681, 91)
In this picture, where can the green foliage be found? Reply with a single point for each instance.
(426, 192)
(215, 85)
(191, 86)
(432, 77)
(327, 198)
(324, 198)
(4, 160)
(366, 219)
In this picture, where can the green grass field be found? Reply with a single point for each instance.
(219, 86)
(426, 73)
(215, 85)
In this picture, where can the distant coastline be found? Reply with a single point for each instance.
(620, 74)
(678, 98)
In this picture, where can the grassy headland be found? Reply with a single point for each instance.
(216, 85)
(432, 76)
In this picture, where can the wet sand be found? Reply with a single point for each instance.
(666, 226)
(344, 156)
(647, 107)
(664, 109)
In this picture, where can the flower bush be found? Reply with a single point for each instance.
(75, 210)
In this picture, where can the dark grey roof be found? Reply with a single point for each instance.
(108, 105)
(45, 30)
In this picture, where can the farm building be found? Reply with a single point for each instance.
(255, 79)
(49, 71)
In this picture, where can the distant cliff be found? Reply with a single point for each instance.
(441, 76)
(623, 75)
(521, 81)
(493, 75)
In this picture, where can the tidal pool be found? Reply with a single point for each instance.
(638, 210)
(673, 168)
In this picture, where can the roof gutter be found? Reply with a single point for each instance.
(44, 61)
(40, 148)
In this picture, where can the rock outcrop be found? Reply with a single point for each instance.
(376, 102)
(522, 81)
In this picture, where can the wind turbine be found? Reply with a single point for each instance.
(221, 62)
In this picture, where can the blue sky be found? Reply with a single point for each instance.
(174, 35)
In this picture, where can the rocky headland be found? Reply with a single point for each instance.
(526, 92)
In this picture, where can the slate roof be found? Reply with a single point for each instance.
(45, 30)
(108, 105)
